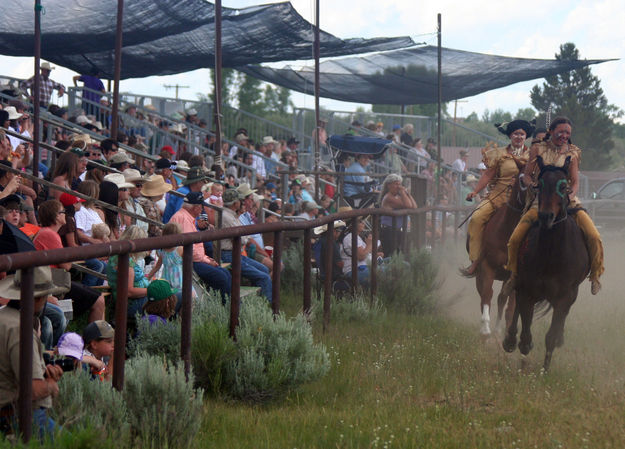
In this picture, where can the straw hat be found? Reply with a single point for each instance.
(13, 114)
(244, 190)
(132, 175)
(47, 66)
(10, 287)
(155, 185)
(119, 180)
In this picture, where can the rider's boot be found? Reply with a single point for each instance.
(470, 271)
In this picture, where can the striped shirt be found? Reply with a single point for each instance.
(46, 86)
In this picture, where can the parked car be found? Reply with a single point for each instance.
(607, 208)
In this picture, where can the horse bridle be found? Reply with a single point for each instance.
(561, 191)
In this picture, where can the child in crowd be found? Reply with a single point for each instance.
(71, 345)
(98, 353)
(271, 191)
(217, 190)
(162, 301)
(170, 259)
(101, 231)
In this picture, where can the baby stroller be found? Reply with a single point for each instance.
(343, 146)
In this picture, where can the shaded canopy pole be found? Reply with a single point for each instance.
(118, 68)
(438, 119)
(37, 97)
(317, 130)
(217, 89)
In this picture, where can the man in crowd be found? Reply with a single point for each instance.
(206, 268)
(460, 164)
(109, 148)
(46, 85)
(256, 272)
(91, 97)
(44, 377)
(193, 183)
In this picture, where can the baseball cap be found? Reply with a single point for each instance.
(67, 199)
(169, 149)
(270, 185)
(396, 127)
(194, 198)
(71, 344)
(160, 289)
(97, 330)
(163, 163)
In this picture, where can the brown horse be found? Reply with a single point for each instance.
(553, 261)
(494, 255)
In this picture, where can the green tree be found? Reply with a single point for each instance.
(525, 114)
(578, 95)
(249, 94)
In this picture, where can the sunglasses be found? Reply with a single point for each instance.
(123, 190)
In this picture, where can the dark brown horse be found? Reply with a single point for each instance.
(494, 255)
(553, 261)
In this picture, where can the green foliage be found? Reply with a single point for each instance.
(249, 94)
(357, 309)
(578, 95)
(164, 409)
(162, 339)
(292, 277)
(408, 283)
(83, 402)
(272, 354)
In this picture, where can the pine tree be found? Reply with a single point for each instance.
(578, 95)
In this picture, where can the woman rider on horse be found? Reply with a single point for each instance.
(554, 150)
(502, 169)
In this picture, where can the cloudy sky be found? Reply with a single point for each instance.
(531, 29)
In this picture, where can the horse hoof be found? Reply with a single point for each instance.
(509, 344)
(525, 348)
(485, 329)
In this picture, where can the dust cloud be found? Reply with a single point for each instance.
(594, 334)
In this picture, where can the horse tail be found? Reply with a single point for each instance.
(541, 308)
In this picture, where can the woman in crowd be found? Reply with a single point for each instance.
(502, 169)
(88, 215)
(66, 170)
(152, 191)
(393, 196)
(84, 299)
(109, 193)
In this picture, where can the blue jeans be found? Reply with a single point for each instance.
(216, 278)
(256, 272)
(53, 324)
(43, 424)
(363, 276)
(95, 265)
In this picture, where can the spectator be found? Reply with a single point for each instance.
(121, 161)
(205, 267)
(162, 302)
(152, 191)
(88, 215)
(46, 86)
(99, 347)
(460, 164)
(393, 196)
(327, 243)
(255, 245)
(363, 254)
(132, 204)
(109, 148)
(66, 172)
(84, 299)
(407, 137)
(109, 193)
(355, 181)
(44, 377)
(170, 259)
(196, 178)
(256, 272)
(310, 210)
(91, 100)
(123, 195)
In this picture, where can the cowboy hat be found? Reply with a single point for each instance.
(10, 287)
(46, 66)
(321, 229)
(244, 190)
(121, 158)
(13, 114)
(268, 140)
(155, 185)
(118, 180)
(514, 125)
(195, 174)
(182, 165)
(132, 175)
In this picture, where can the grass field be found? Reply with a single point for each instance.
(431, 382)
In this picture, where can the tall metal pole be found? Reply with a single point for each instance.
(217, 96)
(118, 68)
(27, 311)
(440, 101)
(317, 130)
(37, 99)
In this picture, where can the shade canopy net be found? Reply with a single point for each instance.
(162, 37)
(410, 76)
(355, 145)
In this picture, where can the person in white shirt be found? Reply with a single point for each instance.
(363, 255)
(460, 164)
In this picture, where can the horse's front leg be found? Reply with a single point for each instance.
(484, 283)
(509, 343)
(526, 306)
(555, 334)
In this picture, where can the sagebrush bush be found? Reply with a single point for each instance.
(357, 309)
(86, 403)
(272, 354)
(292, 277)
(409, 282)
(164, 410)
(162, 339)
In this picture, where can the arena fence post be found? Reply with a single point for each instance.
(121, 316)
(327, 281)
(306, 264)
(235, 293)
(277, 262)
(27, 312)
(187, 302)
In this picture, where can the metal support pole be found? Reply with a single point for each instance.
(394, 234)
(36, 93)
(235, 294)
(438, 118)
(118, 68)
(277, 263)
(217, 78)
(443, 227)
(327, 284)
(187, 302)
(375, 233)
(306, 264)
(27, 312)
(121, 317)
(316, 140)
(354, 254)
(217, 243)
(404, 235)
